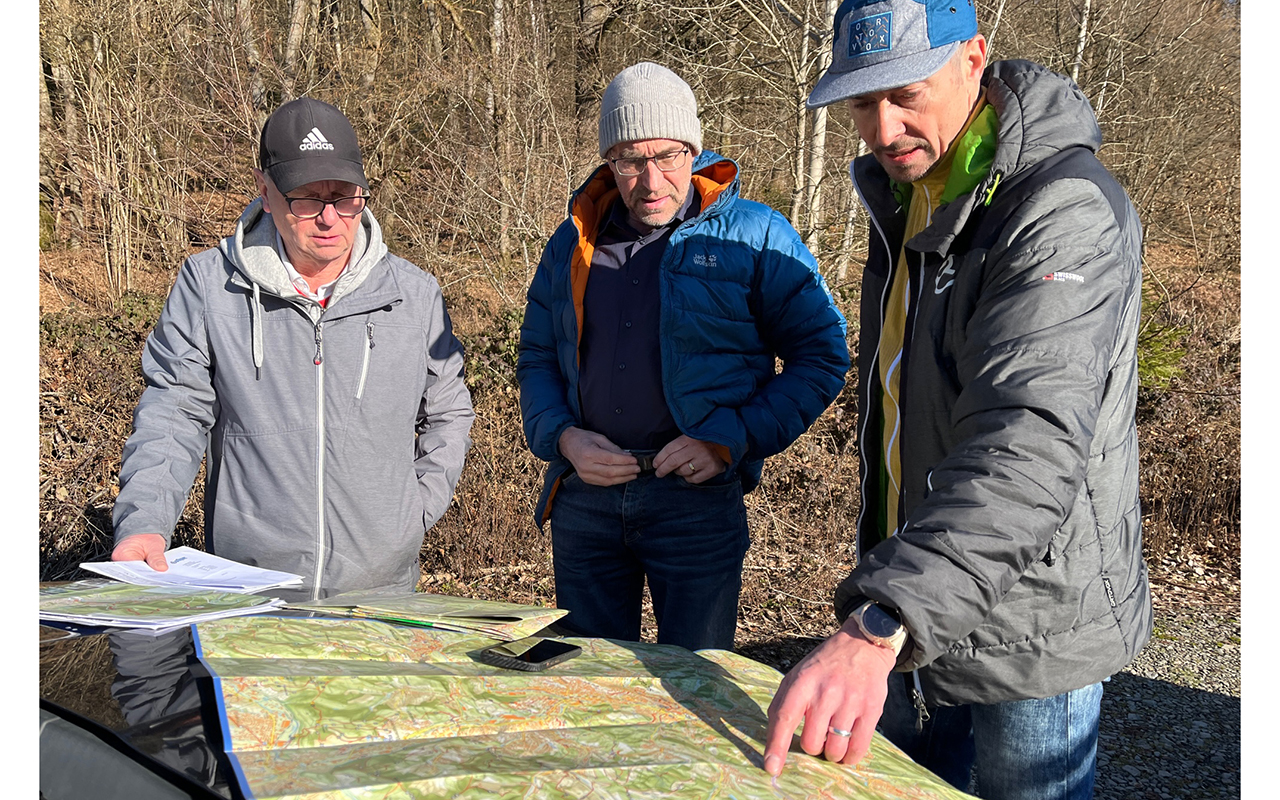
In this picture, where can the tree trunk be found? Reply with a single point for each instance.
(818, 143)
(1081, 39)
(298, 19)
(802, 118)
(496, 109)
(57, 51)
(329, 15)
(248, 38)
(436, 43)
(589, 81)
(372, 40)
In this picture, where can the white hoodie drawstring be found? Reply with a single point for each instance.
(255, 322)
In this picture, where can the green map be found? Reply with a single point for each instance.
(353, 709)
(509, 621)
(107, 602)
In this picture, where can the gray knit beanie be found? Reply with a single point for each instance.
(649, 101)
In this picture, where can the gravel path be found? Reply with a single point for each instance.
(1171, 721)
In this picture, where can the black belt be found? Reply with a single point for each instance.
(645, 457)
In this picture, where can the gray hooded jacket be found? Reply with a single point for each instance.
(1018, 566)
(335, 436)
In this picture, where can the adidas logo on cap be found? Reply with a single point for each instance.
(315, 141)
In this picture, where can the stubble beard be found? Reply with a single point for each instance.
(655, 219)
(908, 173)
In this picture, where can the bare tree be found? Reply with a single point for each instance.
(300, 20)
(818, 143)
(1081, 39)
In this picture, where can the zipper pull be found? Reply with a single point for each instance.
(319, 357)
(369, 328)
(922, 713)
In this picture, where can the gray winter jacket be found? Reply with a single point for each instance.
(335, 436)
(1018, 567)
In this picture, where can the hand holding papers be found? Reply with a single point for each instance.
(196, 569)
(197, 586)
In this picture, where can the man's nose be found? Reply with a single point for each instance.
(889, 125)
(329, 214)
(651, 175)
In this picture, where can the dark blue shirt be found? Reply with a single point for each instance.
(621, 359)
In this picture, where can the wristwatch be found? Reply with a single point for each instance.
(880, 628)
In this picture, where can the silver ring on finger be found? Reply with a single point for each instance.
(692, 468)
(839, 732)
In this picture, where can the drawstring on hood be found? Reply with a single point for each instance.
(252, 249)
(255, 322)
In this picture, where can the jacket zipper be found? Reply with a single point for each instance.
(917, 700)
(319, 361)
(862, 435)
(368, 348)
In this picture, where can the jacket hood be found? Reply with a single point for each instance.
(252, 249)
(1040, 113)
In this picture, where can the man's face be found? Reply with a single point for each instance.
(317, 243)
(909, 128)
(653, 197)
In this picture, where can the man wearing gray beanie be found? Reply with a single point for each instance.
(647, 376)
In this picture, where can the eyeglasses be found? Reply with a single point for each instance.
(312, 207)
(667, 162)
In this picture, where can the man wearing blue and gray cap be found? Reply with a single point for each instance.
(647, 376)
(1000, 578)
(316, 373)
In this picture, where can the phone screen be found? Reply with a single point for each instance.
(545, 650)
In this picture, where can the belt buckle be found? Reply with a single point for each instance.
(645, 460)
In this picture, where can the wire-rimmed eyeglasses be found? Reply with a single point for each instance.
(667, 162)
(312, 207)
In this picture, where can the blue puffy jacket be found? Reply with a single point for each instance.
(738, 289)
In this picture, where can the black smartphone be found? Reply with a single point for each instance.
(532, 654)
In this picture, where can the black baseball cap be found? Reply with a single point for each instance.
(306, 140)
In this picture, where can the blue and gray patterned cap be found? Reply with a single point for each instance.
(885, 44)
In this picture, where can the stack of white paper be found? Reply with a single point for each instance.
(155, 608)
(196, 569)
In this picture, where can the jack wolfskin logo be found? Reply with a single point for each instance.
(946, 273)
(315, 141)
(702, 260)
(1064, 276)
(871, 34)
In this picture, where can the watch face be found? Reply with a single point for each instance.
(879, 623)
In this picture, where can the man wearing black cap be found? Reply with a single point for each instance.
(319, 374)
(1000, 578)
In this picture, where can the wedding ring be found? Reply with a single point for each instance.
(839, 732)
(692, 468)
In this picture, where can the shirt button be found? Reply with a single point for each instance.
(622, 366)
(628, 324)
(635, 281)
(617, 411)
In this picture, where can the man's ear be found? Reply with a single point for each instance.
(260, 179)
(975, 57)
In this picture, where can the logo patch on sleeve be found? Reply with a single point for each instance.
(1070, 277)
(871, 34)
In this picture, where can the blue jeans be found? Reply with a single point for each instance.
(688, 540)
(1023, 749)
